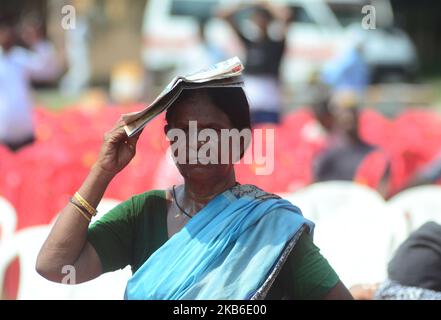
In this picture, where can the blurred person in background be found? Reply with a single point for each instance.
(33, 37)
(321, 110)
(414, 271)
(214, 52)
(264, 52)
(320, 127)
(205, 54)
(18, 66)
(317, 131)
(349, 69)
(347, 156)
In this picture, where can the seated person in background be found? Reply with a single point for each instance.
(348, 157)
(414, 273)
(320, 128)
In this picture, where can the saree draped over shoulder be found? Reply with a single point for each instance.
(232, 249)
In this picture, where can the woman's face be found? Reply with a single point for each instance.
(203, 115)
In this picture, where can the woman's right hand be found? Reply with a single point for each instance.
(117, 150)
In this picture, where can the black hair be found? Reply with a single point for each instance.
(322, 105)
(232, 101)
(8, 20)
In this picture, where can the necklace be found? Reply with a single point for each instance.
(179, 207)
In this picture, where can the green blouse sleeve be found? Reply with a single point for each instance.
(111, 236)
(307, 273)
(129, 233)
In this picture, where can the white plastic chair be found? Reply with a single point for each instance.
(414, 207)
(26, 244)
(353, 228)
(8, 220)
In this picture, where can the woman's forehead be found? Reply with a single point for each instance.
(201, 110)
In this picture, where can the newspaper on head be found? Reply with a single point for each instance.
(223, 74)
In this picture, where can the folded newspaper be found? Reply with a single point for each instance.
(223, 74)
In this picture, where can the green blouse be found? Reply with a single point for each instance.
(132, 231)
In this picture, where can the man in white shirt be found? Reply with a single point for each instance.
(18, 66)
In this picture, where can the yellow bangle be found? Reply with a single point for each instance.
(85, 204)
(80, 211)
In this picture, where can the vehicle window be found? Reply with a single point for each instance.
(199, 9)
(347, 14)
(300, 15)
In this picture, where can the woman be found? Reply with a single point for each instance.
(264, 47)
(210, 238)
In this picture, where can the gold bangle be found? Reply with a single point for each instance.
(80, 211)
(85, 204)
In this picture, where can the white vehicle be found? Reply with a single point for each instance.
(172, 42)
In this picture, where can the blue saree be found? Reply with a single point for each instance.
(232, 249)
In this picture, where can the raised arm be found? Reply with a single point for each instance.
(282, 14)
(227, 14)
(67, 243)
(42, 62)
(41, 59)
